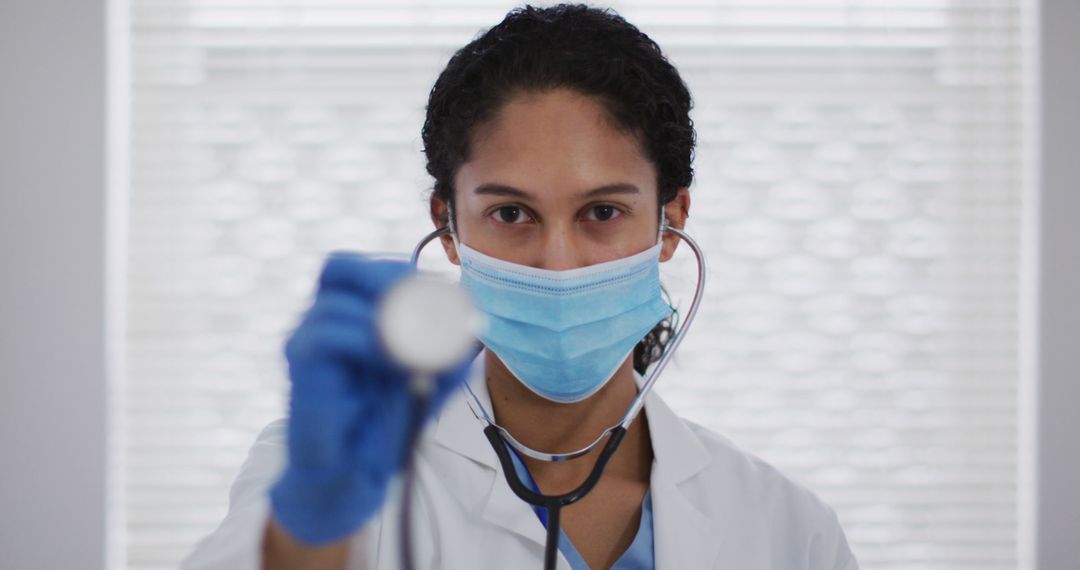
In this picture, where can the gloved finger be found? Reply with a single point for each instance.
(341, 305)
(315, 341)
(380, 451)
(368, 277)
(345, 309)
(320, 411)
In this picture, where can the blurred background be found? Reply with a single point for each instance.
(884, 189)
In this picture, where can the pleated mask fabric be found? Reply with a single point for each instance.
(563, 334)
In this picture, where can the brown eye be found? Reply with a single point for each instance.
(511, 215)
(603, 212)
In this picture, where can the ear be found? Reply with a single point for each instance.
(676, 211)
(440, 216)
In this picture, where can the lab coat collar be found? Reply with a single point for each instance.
(685, 537)
(458, 429)
(677, 451)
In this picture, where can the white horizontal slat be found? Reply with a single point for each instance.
(858, 192)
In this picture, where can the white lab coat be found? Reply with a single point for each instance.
(714, 506)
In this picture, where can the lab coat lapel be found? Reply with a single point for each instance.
(460, 431)
(685, 532)
(507, 510)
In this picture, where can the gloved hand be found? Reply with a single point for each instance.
(350, 407)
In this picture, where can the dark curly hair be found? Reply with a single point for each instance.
(588, 50)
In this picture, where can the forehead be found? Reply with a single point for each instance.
(552, 142)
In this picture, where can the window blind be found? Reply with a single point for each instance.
(858, 193)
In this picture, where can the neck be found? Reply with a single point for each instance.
(554, 427)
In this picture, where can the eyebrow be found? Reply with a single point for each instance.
(605, 190)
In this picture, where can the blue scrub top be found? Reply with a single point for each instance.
(639, 556)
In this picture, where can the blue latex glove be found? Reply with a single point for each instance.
(350, 407)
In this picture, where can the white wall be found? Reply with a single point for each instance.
(52, 271)
(1058, 491)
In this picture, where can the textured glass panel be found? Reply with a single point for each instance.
(858, 194)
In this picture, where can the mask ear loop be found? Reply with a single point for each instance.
(450, 224)
(663, 226)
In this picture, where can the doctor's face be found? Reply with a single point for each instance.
(552, 183)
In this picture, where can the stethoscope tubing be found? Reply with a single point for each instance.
(552, 503)
(499, 436)
(638, 403)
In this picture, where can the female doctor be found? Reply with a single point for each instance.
(559, 141)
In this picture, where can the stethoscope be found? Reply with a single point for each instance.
(456, 334)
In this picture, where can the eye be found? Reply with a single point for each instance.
(511, 215)
(603, 212)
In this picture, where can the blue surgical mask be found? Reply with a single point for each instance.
(563, 334)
